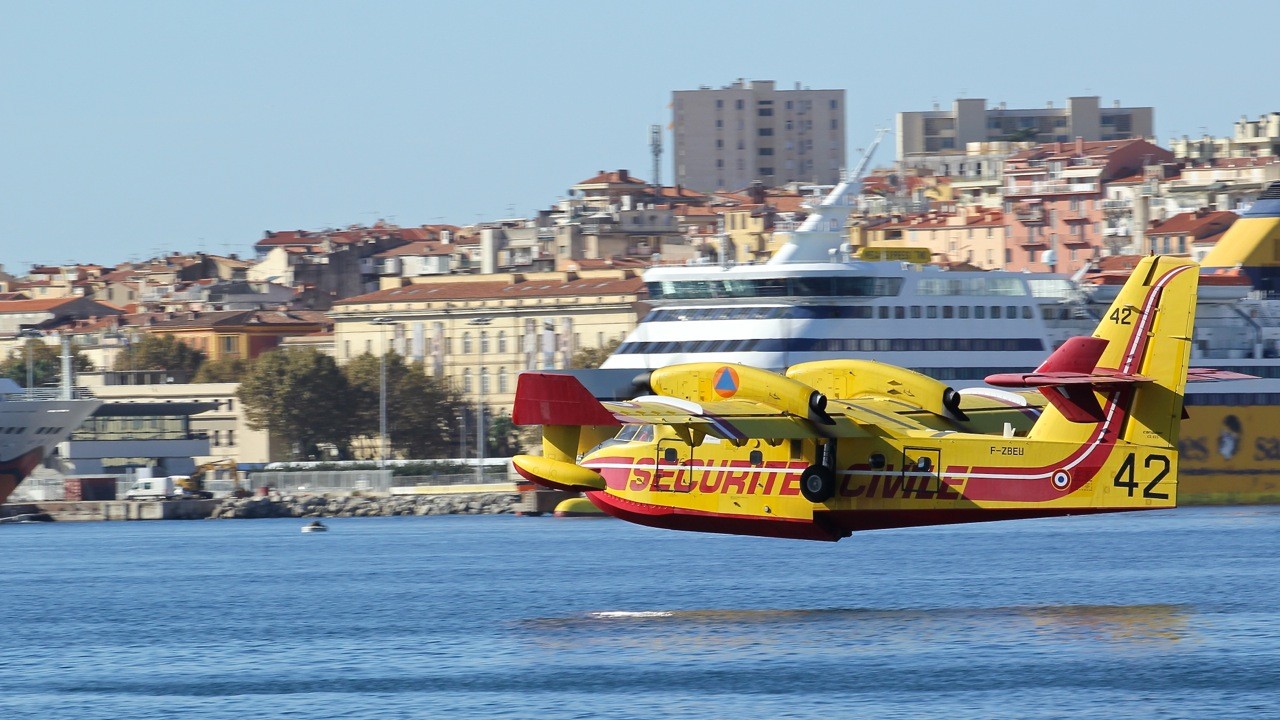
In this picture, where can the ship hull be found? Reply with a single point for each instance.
(13, 471)
(1229, 455)
(31, 427)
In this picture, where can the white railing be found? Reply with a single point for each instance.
(1050, 187)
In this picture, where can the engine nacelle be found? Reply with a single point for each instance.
(713, 382)
(851, 379)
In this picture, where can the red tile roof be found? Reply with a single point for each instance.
(417, 249)
(616, 177)
(31, 306)
(438, 291)
(1201, 223)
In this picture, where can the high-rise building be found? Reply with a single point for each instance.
(726, 139)
(970, 120)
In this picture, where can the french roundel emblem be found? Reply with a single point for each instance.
(1062, 479)
(725, 382)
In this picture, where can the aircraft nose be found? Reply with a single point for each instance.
(557, 474)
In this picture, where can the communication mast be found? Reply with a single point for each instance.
(655, 146)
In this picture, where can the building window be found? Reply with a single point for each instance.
(719, 104)
(835, 104)
(466, 380)
(739, 105)
(502, 341)
(765, 151)
(484, 341)
(766, 171)
(765, 112)
(466, 343)
(765, 132)
(231, 437)
(484, 380)
(502, 380)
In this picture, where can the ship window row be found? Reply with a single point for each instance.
(775, 287)
(13, 430)
(866, 345)
(845, 312)
(983, 286)
(48, 430)
(947, 374)
(1233, 399)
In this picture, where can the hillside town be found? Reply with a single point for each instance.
(1073, 189)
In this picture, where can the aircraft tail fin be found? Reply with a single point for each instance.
(1131, 375)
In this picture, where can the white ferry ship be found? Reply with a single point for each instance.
(813, 301)
(32, 423)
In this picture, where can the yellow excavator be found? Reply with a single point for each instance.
(194, 484)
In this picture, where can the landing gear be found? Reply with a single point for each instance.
(817, 484)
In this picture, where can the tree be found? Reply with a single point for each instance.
(300, 396)
(161, 352)
(222, 370)
(420, 409)
(46, 363)
(594, 357)
(505, 438)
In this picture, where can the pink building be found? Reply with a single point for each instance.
(1054, 197)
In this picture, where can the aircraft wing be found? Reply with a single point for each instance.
(733, 420)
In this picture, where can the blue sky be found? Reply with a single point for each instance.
(129, 129)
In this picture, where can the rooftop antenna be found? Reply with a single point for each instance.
(655, 147)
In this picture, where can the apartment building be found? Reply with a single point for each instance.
(1252, 138)
(1057, 197)
(972, 235)
(970, 120)
(481, 331)
(749, 131)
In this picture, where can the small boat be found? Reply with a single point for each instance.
(315, 526)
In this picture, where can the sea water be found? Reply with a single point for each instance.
(1169, 614)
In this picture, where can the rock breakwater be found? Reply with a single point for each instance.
(315, 506)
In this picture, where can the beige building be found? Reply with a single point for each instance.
(970, 120)
(226, 426)
(971, 235)
(481, 331)
(729, 137)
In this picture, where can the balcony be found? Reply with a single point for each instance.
(1029, 214)
(1116, 204)
(1050, 187)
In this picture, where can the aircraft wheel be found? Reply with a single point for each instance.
(817, 484)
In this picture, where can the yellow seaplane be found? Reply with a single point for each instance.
(836, 446)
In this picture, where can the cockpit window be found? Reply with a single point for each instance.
(626, 434)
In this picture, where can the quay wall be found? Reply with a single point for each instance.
(317, 506)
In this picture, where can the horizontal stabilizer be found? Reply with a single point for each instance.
(1068, 378)
(1100, 378)
(551, 399)
(1198, 374)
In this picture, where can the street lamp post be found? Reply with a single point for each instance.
(382, 391)
(29, 335)
(480, 438)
